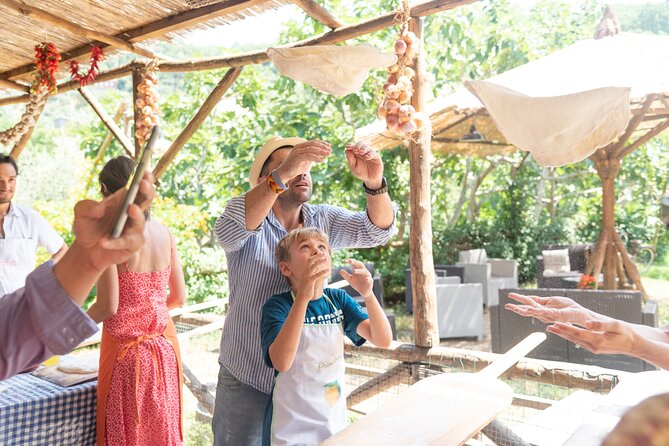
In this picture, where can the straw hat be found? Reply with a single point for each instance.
(265, 151)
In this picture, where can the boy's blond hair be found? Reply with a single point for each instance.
(297, 236)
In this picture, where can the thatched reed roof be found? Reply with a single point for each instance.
(131, 21)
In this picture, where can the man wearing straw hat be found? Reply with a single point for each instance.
(249, 230)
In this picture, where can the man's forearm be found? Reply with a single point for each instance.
(75, 275)
(380, 210)
(258, 202)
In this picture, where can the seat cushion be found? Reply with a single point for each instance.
(473, 256)
(556, 261)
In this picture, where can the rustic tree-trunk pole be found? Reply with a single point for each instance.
(610, 250)
(426, 333)
(23, 142)
(196, 121)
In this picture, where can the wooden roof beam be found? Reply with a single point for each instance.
(335, 36)
(14, 85)
(619, 147)
(121, 71)
(319, 13)
(644, 139)
(155, 29)
(51, 19)
(331, 37)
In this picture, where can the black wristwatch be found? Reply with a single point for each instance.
(381, 190)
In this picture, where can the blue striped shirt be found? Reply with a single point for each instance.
(254, 276)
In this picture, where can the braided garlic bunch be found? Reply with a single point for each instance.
(28, 120)
(146, 104)
(399, 114)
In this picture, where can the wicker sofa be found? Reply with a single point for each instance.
(508, 328)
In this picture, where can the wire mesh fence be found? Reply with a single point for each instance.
(551, 400)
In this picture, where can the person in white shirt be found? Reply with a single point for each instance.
(22, 231)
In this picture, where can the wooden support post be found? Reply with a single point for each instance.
(196, 121)
(107, 120)
(630, 268)
(608, 167)
(23, 142)
(108, 139)
(426, 333)
(136, 79)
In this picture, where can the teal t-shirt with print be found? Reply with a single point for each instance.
(319, 311)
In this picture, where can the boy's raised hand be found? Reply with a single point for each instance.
(317, 271)
(361, 279)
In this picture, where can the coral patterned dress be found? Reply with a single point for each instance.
(140, 379)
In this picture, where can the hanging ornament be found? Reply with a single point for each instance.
(146, 104)
(46, 66)
(97, 55)
(399, 114)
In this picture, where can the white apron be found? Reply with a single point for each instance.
(17, 260)
(308, 401)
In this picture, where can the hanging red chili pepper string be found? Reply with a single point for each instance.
(93, 70)
(46, 62)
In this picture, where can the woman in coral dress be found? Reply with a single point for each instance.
(140, 379)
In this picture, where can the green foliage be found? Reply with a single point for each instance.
(648, 17)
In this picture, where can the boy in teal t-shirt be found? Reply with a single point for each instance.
(302, 333)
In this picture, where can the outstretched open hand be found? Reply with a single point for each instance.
(360, 279)
(549, 309)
